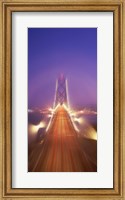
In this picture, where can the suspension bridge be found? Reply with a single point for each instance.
(62, 149)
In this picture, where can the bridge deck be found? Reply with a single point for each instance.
(62, 150)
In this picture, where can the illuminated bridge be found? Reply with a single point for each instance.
(62, 149)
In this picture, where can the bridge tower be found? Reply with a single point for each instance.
(61, 92)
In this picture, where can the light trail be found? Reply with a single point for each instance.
(74, 125)
(49, 124)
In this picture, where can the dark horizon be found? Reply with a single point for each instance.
(71, 51)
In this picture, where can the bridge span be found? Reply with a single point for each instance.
(62, 149)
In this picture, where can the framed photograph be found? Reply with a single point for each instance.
(62, 99)
(55, 130)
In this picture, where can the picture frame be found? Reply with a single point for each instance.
(7, 8)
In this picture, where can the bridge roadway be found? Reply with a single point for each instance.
(62, 150)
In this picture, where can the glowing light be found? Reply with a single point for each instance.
(56, 107)
(95, 136)
(73, 114)
(74, 125)
(67, 109)
(81, 111)
(79, 120)
(49, 124)
(87, 111)
(50, 109)
(55, 94)
(67, 94)
(34, 128)
(89, 131)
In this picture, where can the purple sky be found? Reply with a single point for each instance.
(71, 51)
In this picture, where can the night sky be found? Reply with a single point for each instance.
(71, 51)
